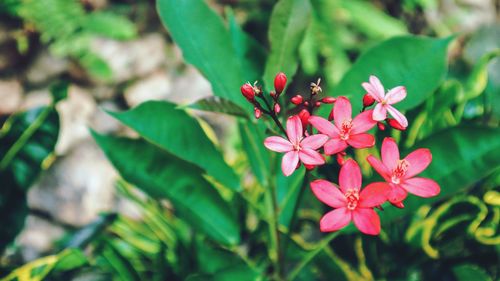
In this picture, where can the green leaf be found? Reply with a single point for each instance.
(467, 272)
(252, 138)
(218, 104)
(288, 189)
(418, 63)
(173, 130)
(206, 43)
(109, 25)
(289, 21)
(461, 156)
(163, 175)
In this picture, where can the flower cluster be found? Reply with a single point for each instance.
(301, 145)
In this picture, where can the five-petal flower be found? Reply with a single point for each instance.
(400, 173)
(385, 101)
(349, 202)
(345, 131)
(297, 147)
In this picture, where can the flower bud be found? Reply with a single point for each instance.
(368, 100)
(298, 99)
(398, 204)
(306, 103)
(247, 91)
(330, 116)
(280, 82)
(273, 94)
(257, 112)
(328, 100)
(317, 104)
(381, 126)
(277, 108)
(309, 167)
(304, 117)
(340, 158)
(395, 124)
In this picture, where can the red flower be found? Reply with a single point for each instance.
(349, 202)
(346, 131)
(297, 147)
(400, 174)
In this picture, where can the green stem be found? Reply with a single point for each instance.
(276, 233)
(311, 255)
(25, 136)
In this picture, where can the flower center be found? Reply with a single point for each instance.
(352, 196)
(296, 147)
(400, 171)
(345, 129)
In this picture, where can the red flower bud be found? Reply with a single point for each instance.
(247, 91)
(304, 117)
(309, 167)
(340, 159)
(257, 112)
(317, 104)
(381, 126)
(277, 108)
(330, 116)
(298, 99)
(368, 100)
(306, 103)
(280, 82)
(395, 124)
(398, 205)
(328, 100)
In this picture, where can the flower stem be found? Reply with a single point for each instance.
(279, 252)
(271, 113)
(311, 255)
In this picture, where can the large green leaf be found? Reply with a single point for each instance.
(252, 138)
(461, 156)
(418, 63)
(172, 129)
(162, 175)
(206, 43)
(289, 21)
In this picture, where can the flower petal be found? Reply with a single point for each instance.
(390, 153)
(289, 162)
(314, 141)
(350, 176)
(374, 88)
(324, 126)
(333, 146)
(363, 122)
(422, 187)
(311, 157)
(379, 167)
(371, 91)
(342, 110)
(294, 129)
(395, 95)
(377, 85)
(361, 140)
(374, 194)
(328, 193)
(379, 112)
(396, 193)
(418, 160)
(278, 144)
(335, 220)
(366, 220)
(398, 116)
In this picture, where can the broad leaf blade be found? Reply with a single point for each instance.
(218, 104)
(162, 175)
(172, 129)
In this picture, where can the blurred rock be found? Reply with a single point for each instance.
(76, 187)
(11, 96)
(45, 67)
(131, 59)
(36, 98)
(38, 237)
(189, 86)
(154, 87)
(75, 113)
(102, 122)
(103, 92)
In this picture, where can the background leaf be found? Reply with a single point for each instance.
(218, 104)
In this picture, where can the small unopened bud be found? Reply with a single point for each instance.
(277, 108)
(368, 100)
(328, 100)
(381, 126)
(398, 205)
(306, 103)
(304, 117)
(273, 94)
(309, 167)
(330, 116)
(340, 159)
(298, 99)
(280, 82)
(257, 112)
(248, 92)
(395, 124)
(317, 104)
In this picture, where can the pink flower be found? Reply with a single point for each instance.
(385, 102)
(400, 174)
(349, 202)
(346, 131)
(296, 146)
